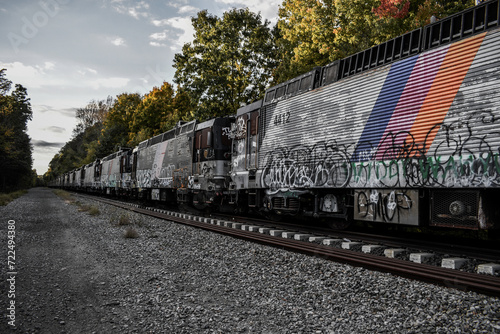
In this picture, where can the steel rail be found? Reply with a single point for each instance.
(485, 284)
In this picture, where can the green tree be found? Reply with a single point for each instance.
(15, 146)
(159, 111)
(309, 27)
(228, 64)
(118, 123)
(319, 32)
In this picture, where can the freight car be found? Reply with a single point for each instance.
(406, 132)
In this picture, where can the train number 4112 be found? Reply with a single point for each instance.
(282, 118)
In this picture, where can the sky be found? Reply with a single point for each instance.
(67, 53)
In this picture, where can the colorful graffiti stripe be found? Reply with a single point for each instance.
(414, 100)
(409, 104)
(445, 87)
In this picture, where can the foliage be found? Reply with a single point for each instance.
(309, 26)
(228, 64)
(92, 114)
(319, 32)
(104, 126)
(159, 111)
(117, 124)
(82, 148)
(15, 145)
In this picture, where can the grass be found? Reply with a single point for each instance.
(125, 220)
(130, 233)
(64, 195)
(122, 220)
(7, 198)
(67, 197)
(90, 209)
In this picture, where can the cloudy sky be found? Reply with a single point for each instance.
(69, 52)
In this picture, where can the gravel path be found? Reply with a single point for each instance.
(77, 273)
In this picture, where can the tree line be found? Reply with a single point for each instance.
(234, 58)
(15, 146)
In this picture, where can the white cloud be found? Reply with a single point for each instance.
(31, 76)
(157, 44)
(182, 32)
(187, 9)
(267, 8)
(118, 41)
(46, 66)
(160, 23)
(159, 36)
(136, 10)
(86, 71)
(114, 82)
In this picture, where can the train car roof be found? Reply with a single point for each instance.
(248, 108)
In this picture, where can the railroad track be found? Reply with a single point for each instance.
(486, 284)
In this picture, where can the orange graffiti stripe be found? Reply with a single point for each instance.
(445, 87)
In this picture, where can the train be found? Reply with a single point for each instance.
(406, 132)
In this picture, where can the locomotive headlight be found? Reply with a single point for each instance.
(457, 208)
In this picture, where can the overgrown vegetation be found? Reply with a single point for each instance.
(125, 219)
(67, 197)
(64, 195)
(90, 209)
(7, 198)
(130, 233)
(122, 220)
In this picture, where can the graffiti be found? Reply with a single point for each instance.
(206, 169)
(325, 164)
(157, 177)
(388, 206)
(239, 128)
(226, 131)
(455, 158)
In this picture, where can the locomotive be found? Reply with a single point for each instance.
(406, 132)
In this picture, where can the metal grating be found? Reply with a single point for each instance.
(455, 208)
(278, 202)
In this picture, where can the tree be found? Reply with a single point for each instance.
(117, 125)
(228, 64)
(309, 27)
(15, 146)
(93, 113)
(159, 111)
(319, 32)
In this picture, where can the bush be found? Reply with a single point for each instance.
(130, 233)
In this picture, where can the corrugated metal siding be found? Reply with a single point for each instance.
(393, 126)
(167, 164)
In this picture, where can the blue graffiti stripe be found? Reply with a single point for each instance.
(381, 114)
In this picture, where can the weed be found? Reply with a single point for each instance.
(124, 220)
(7, 198)
(64, 195)
(94, 211)
(82, 207)
(130, 233)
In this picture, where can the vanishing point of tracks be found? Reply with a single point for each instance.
(486, 284)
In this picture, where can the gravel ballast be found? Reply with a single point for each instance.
(83, 272)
